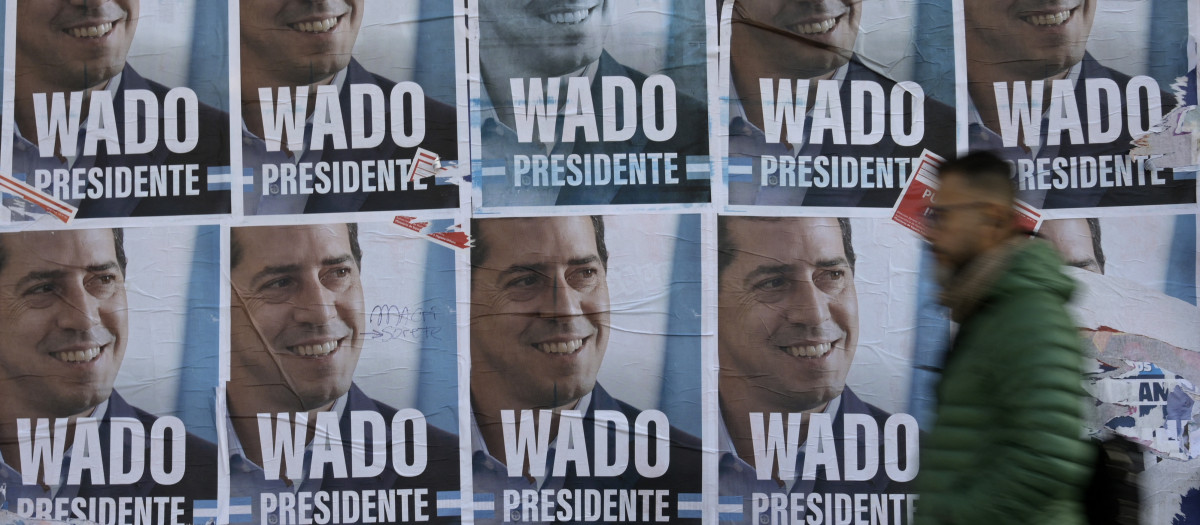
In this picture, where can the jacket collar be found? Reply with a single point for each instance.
(967, 288)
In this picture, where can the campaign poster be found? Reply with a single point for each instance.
(108, 364)
(1137, 312)
(829, 104)
(586, 103)
(1072, 94)
(349, 106)
(814, 357)
(342, 395)
(585, 387)
(119, 110)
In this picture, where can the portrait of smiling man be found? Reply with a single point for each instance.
(521, 40)
(310, 43)
(64, 331)
(540, 327)
(297, 333)
(1012, 43)
(65, 46)
(788, 329)
(815, 40)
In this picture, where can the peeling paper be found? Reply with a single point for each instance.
(1155, 407)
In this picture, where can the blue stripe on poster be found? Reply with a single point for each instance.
(198, 367)
(1181, 263)
(437, 395)
(680, 395)
(208, 70)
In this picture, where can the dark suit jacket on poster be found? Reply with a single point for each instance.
(199, 481)
(746, 141)
(1174, 192)
(739, 479)
(212, 150)
(441, 137)
(683, 476)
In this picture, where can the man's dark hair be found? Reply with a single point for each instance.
(1094, 227)
(235, 247)
(479, 249)
(726, 249)
(983, 171)
(118, 248)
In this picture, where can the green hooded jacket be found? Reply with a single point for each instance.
(1006, 446)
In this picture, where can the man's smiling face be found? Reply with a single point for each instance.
(806, 39)
(1031, 39)
(539, 311)
(299, 42)
(63, 321)
(297, 316)
(552, 37)
(788, 310)
(75, 45)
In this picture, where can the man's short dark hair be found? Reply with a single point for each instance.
(479, 249)
(983, 171)
(1094, 227)
(118, 248)
(235, 247)
(726, 249)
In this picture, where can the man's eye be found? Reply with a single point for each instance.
(524, 281)
(107, 279)
(277, 284)
(584, 278)
(41, 289)
(771, 284)
(832, 281)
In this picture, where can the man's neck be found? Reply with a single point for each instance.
(10, 439)
(487, 418)
(26, 84)
(749, 90)
(738, 400)
(253, 81)
(981, 87)
(244, 409)
(497, 80)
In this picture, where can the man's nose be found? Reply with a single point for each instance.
(808, 305)
(80, 309)
(315, 304)
(563, 300)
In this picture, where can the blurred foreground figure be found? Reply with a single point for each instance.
(1006, 446)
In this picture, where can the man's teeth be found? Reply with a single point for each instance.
(816, 350)
(78, 356)
(564, 347)
(315, 350)
(319, 26)
(1049, 20)
(92, 31)
(573, 17)
(815, 28)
